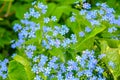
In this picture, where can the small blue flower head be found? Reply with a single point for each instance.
(31, 47)
(64, 30)
(26, 15)
(73, 38)
(86, 6)
(42, 7)
(36, 15)
(47, 71)
(81, 34)
(33, 3)
(3, 68)
(99, 69)
(80, 73)
(101, 56)
(72, 19)
(46, 29)
(52, 63)
(59, 76)
(87, 29)
(53, 18)
(13, 55)
(112, 29)
(95, 22)
(72, 65)
(101, 12)
(82, 12)
(57, 43)
(104, 5)
(88, 73)
(32, 11)
(83, 0)
(111, 64)
(43, 60)
(17, 27)
(46, 20)
(35, 68)
(62, 67)
(37, 77)
(98, 4)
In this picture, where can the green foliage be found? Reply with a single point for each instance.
(112, 54)
(16, 71)
(98, 39)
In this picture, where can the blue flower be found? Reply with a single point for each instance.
(99, 69)
(27, 15)
(72, 19)
(80, 73)
(64, 30)
(53, 18)
(82, 12)
(81, 34)
(98, 4)
(112, 29)
(36, 15)
(42, 7)
(69, 76)
(93, 78)
(43, 60)
(72, 66)
(57, 43)
(101, 56)
(111, 64)
(59, 76)
(104, 5)
(62, 68)
(46, 29)
(73, 38)
(92, 64)
(32, 11)
(29, 54)
(47, 71)
(35, 68)
(101, 12)
(17, 27)
(83, 0)
(36, 58)
(37, 77)
(31, 48)
(95, 22)
(3, 68)
(88, 73)
(33, 3)
(87, 29)
(86, 6)
(46, 20)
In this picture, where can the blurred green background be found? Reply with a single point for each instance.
(11, 11)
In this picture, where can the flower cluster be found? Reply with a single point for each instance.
(3, 68)
(85, 66)
(57, 38)
(25, 32)
(45, 34)
(51, 37)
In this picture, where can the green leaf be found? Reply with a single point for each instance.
(16, 71)
(20, 10)
(88, 38)
(57, 52)
(112, 54)
(26, 65)
(113, 43)
(66, 2)
(59, 11)
(51, 8)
